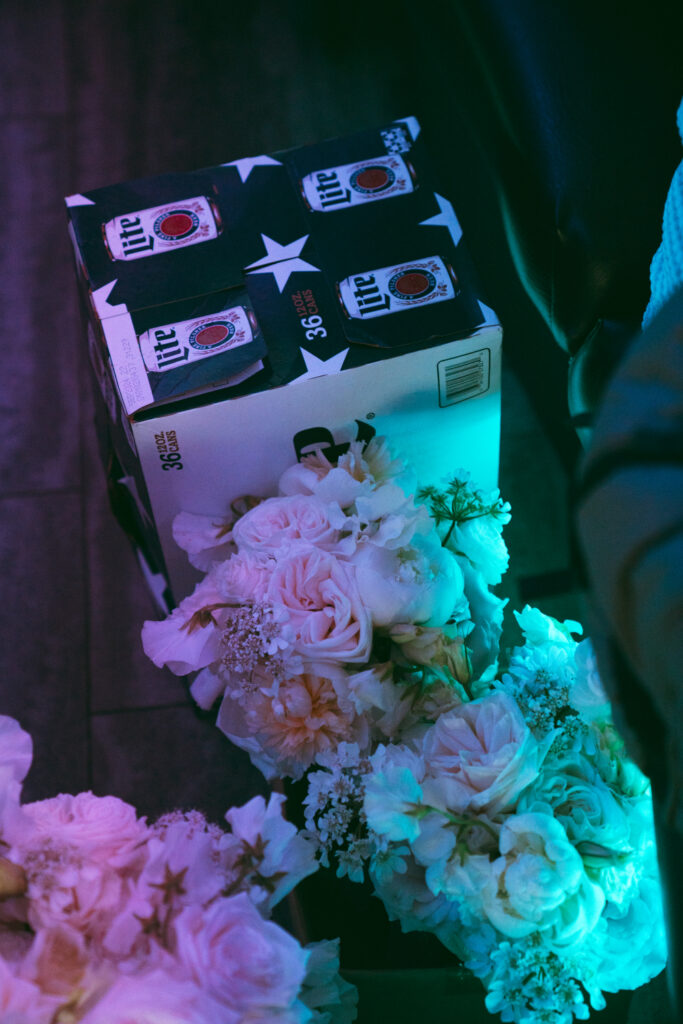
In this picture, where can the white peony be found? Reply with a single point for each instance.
(421, 583)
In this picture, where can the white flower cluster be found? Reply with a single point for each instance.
(352, 634)
(333, 613)
(107, 920)
(520, 812)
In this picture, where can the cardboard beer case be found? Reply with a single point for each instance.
(243, 315)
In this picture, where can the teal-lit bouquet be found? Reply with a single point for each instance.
(350, 630)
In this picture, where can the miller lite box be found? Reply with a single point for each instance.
(242, 316)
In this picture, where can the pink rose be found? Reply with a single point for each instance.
(239, 959)
(244, 577)
(481, 755)
(157, 997)
(101, 828)
(320, 594)
(279, 521)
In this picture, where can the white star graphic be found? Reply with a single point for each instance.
(281, 271)
(281, 260)
(78, 200)
(446, 218)
(488, 314)
(246, 165)
(320, 367)
(276, 252)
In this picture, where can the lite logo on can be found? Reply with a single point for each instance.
(160, 228)
(338, 187)
(171, 346)
(391, 289)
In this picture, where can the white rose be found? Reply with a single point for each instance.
(325, 609)
(279, 521)
(481, 755)
(539, 884)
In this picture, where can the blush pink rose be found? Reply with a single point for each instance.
(157, 997)
(101, 828)
(244, 577)
(279, 521)
(240, 960)
(482, 755)
(319, 593)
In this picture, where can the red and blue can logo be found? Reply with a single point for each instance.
(175, 225)
(211, 335)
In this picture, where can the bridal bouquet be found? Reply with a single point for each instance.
(349, 629)
(105, 919)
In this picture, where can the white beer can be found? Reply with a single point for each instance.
(161, 228)
(336, 188)
(391, 289)
(174, 345)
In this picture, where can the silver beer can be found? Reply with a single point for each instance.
(392, 289)
(162, 228)
(336, 188)
(174, 345)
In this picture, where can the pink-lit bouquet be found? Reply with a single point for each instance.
(105, 919)
(349, 629)
(334, 613)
